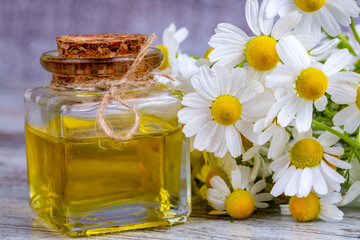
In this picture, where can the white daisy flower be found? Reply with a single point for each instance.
(328, 14)
(348, 94)
(308, 208)
(254, 155)
(171, 40)
(222, 106)
(353, 193)
(310, 165)
(306, 84)
(242, 201)
(232, 46)
(273, 132)
(214, 166)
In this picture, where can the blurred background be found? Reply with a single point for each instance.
(29, 27)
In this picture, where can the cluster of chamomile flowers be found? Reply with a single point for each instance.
(275, 114)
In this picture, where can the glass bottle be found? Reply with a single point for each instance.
(83, 181)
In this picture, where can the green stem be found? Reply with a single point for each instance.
(328, 111)
(357, 154)
(346, 44)
(353, 28)
(350, 141)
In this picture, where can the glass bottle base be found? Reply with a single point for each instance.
(114, 219)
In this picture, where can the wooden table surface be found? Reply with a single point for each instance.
(17, 221)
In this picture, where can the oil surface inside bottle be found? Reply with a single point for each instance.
(97, 185)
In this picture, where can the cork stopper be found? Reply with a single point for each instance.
(99, 45)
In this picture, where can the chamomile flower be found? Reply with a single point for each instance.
(214, 166)
(171, 40)
(223, 105)
(232, 46)
(348, 94)
(273, 132)
(254, 155)
(310, 165)
(240, 202)
(305, 82)
(328, 14)
(309, 208)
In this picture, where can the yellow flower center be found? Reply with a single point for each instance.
(226, 110)
(310, 5)
(216, 172)
(311, 84)
(261, 53)
(165, 64)
(306, 208)
(357, 102)
(239, 204)
(306, 153)
(206, 55)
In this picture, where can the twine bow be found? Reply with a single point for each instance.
(116, 87)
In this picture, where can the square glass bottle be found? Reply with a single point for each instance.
(86, 183)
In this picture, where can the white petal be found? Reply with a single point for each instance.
(352, 123)
(280, 185)
(181, 34)
(327, 139)
(258, 187)
(265, 23)
(236, 178)
(333, 197)
(263, 197)
(330, 213)
(194, 100)
(273, 7)
(233, 141)
(237, 78)
(278, 143)
(337, 151)
(281, 76)
(292, 53)
(304, 116)
(279, 163)
(252, 16)
(267, 134)
(186, 114)
(321, 103)
(341, 117)
(292, 186)
(261, 204)
(331, 173)
(245, 176)
(306, 182)
(336, 62)
(285, 24)
(337, 162)
(219, 184)
(193, 126)
(328, 22)
(351, 195)
(204, 135)
(320, 186)
(287, 113)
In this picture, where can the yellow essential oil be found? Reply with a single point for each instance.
(73, 183)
